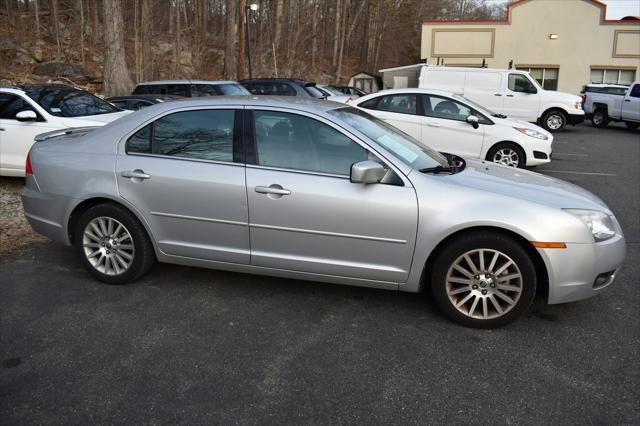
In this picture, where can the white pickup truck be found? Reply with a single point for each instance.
(610, 102)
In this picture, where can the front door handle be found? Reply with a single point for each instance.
(135, 174)
(511, 96)
(497, 94)
(1, 129)
(272, 189)
(433, 124)
(627, 100)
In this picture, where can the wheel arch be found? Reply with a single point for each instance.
(79, 209)
(488, 151)
(542, 275)
(550, 109)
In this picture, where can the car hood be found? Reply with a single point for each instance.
(93, 120)
(514, 122)
(525, 185)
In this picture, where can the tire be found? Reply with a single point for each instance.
(508, 154)
(631, 125)
(600, 118)
(469, 290)
(554, 120)
(113, 245)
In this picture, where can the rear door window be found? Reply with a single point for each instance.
(203, 90)
(200, 134)
(403, 104)
(178, 90)
(439, 107)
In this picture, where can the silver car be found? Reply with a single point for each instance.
(320, 191)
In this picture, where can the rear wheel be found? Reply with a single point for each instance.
(554, 120)
(600, 118)
(507, 153)
(484, 280)
(113, 245)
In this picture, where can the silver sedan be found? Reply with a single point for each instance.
(319, 191)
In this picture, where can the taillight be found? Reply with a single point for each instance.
(27, 167)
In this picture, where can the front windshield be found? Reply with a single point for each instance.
(402, 146)
(69, 102)
(476, 106)
(233, 90)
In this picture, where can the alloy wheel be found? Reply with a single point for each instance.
(108, 245)
(484, 284)
(507, 156)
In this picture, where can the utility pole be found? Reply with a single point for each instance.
(242, 6)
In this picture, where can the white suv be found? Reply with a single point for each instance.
(453, 124)
(27, 111)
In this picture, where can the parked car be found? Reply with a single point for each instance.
(318, 191)
(450, 123)
(282, 87)
(26, 111)
(191, 88)
(604, 103)
(136, 102)
(332, 94)
(510, 92)
(351, 91)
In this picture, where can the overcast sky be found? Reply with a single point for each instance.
(618, 8)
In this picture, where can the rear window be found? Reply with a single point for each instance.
(313, 91)
(230, 89)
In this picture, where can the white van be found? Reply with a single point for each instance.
(510, 92)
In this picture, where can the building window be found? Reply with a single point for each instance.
(612, 76)
(547, 77)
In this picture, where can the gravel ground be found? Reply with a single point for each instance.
(15, 232)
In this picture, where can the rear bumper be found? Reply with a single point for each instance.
(582, 270)
(45, 213)
(574, 119)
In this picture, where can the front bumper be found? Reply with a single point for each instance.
(581, 271)
(574, 119)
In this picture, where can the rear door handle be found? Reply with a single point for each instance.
(135, 174)
(433, 124)
(273, 189)
(627, 100)
(511, 96)
(497, 94)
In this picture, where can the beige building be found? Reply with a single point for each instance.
(564, 44)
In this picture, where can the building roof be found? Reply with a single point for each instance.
(404, 67)
(515, 3)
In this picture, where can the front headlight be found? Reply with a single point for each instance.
(532, 133)
(578, 105)
(599, 223)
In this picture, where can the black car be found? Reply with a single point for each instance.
(282, 87)
(136, 102)
(190, 88)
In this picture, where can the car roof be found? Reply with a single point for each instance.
(144, 97)
(292, 80)
(473, 69)
(300, 103)
(408, 90)
(145, 83)
(622, 86)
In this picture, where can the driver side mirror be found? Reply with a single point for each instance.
(474, 121)
(26, 115)
(368, 171)
(531, 89)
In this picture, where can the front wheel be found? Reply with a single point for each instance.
(113, 245)
(484, 280)
(554, 120)
(507, 153)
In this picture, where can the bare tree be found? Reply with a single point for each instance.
(117, 80)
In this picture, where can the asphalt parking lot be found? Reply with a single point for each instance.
(186, 345)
